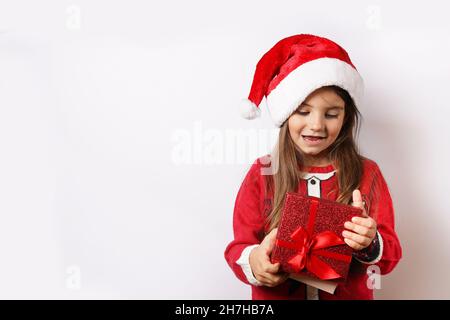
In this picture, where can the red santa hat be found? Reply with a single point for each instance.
(294, 68)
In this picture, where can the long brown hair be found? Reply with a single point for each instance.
(343, 154)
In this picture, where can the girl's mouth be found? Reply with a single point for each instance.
(312, 140)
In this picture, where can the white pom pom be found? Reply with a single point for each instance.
(249, 110)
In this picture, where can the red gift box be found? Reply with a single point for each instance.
(309, 238)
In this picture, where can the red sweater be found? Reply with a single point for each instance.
(248, 225)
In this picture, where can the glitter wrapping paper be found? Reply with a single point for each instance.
(318, 218)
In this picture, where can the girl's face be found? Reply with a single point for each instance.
(320, 115)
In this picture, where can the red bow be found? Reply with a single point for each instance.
(309, 248)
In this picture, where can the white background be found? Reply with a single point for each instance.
(122, 148)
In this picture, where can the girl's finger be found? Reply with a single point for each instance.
(264, 280)
(365, 222)
(269, 241)
(357, 198)
(364, 231)
(269, 279)
(358, 201)
(264, 275)
(272, 234)
(353, 244)
(364, 241)
(364, 212)
(278, 277)
(271, 268)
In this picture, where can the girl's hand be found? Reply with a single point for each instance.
(362, 229)
(263, 270)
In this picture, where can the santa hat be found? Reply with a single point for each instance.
(294, 68)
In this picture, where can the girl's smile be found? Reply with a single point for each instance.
(311, 140)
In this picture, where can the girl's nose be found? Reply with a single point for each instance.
(316, 122)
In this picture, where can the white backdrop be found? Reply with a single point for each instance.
(122, 148)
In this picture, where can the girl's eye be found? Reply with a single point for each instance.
(304, 113)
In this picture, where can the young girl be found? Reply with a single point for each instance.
(312, 92)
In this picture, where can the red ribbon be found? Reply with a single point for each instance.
(308, 248)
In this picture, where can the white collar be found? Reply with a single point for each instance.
(318, 175)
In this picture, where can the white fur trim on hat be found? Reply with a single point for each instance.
(249, 110)
(299, 83)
